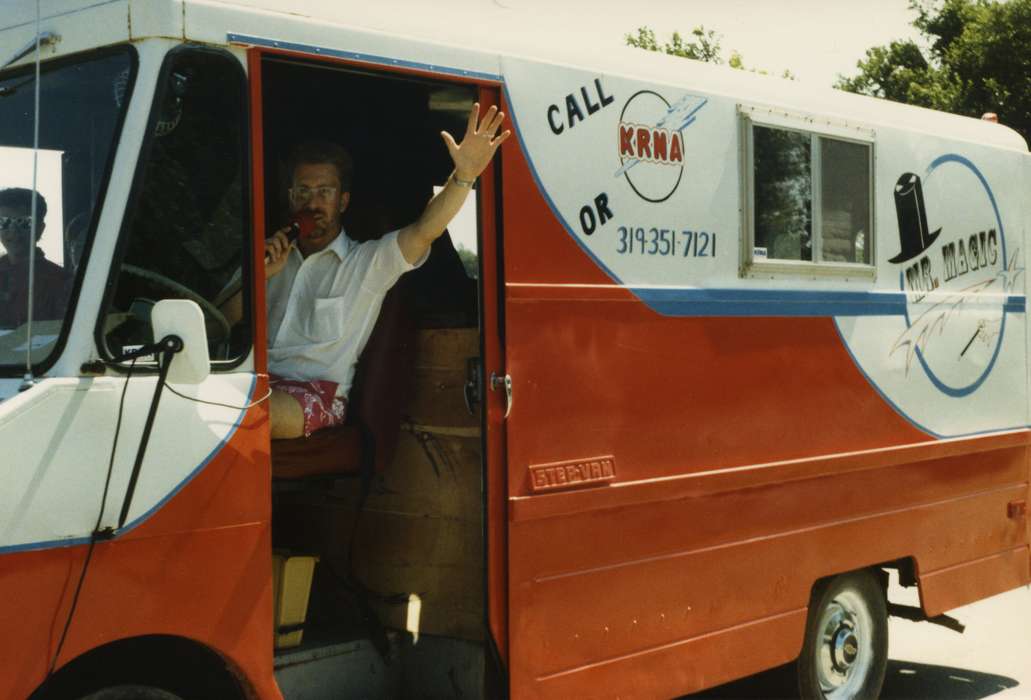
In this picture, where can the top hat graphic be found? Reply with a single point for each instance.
(909, 206)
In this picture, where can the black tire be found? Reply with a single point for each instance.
(132, 692)
(845, 653)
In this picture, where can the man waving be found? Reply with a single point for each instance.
(325, 292)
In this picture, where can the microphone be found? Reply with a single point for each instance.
(302, 225)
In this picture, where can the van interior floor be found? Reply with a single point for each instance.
(432, 667)
(359, 642)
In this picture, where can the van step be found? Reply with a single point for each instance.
(330, 671)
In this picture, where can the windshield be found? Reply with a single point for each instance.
(81, 109)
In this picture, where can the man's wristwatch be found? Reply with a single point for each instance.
(462, 183)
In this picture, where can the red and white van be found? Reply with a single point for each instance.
(724, 350)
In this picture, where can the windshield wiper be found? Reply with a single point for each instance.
(44, 38)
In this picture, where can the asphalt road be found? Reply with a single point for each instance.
(991, 659)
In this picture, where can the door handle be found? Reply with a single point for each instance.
(506, 381)
(473, 390)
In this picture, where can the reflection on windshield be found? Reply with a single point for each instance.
(81, 105)
(22, 252)
(186, 237)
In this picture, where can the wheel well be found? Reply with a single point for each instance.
(906, 568)
(181, 666)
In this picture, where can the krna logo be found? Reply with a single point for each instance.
(651, 142)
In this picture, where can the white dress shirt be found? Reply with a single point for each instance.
(322, 309)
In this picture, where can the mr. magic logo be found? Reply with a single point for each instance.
(651, 142)
(955, 273)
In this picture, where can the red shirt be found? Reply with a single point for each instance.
(52, 284)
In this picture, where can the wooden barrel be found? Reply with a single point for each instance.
(420, 535)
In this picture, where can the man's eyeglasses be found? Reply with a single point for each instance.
(303, 195)
(15, 223)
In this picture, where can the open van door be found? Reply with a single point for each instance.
(545, 371)
(493, 353)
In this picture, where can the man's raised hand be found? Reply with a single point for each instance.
(478, 145)
(471, 157)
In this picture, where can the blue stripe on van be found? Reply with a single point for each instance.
(358, 56)
(766, 302)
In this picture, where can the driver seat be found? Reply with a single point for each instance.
(383, 383)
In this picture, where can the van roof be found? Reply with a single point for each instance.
(473, 35)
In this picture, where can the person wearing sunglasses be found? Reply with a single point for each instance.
(51, 282)
(325, 290)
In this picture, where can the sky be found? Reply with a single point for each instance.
(815, 39)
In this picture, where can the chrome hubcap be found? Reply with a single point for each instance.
(845, 652)
(845, 649)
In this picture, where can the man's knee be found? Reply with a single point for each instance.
(286, 416)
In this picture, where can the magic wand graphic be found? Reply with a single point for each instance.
(980, 327)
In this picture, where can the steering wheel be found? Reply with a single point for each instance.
(171, 285)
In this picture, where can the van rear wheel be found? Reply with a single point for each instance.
(132, 692)
(845, 653)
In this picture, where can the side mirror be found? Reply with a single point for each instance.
(183, 318)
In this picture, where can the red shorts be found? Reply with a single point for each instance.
(321, 406)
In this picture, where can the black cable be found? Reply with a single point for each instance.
(171, 345)
(106, 533)
(114, 445)
(97, 533)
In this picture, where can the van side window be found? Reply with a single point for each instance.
(845, 201)
(185, 234)
(783, 193)
(809, 201)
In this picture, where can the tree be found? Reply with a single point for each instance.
(470, 261)
(704, 46)
(977, 59)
